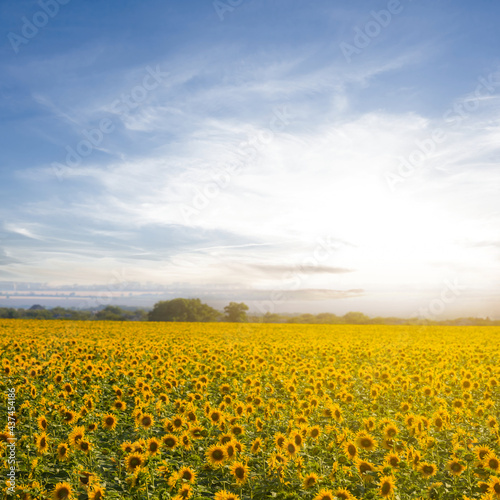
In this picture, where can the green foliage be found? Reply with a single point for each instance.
(236, 312)
(112, 313)
(183, 310)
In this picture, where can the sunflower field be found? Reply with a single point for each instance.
(109, 410)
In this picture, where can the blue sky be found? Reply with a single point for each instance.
(343, 153)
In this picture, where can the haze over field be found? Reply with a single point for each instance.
(314, 157)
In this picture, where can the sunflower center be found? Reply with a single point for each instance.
(63, 493)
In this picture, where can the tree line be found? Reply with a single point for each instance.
(193, 310)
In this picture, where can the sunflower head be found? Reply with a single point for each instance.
(240, 472)
(62, 491)
(310, 481)
(386, 486)
(134, 461)
(216, 455)
(109, 421)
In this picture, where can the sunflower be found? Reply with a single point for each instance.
(225, 495)
(438, 422)
(62, 451)
(314, 432)
(225, 438)
(178, 422)
(455, 467)
(427, 470)
(84, 446)
(134, 461)
(297, 438)
(240, 472)
(350, 449)
(390, 431)
(120, 405)
(85, 478)
(170, 441)
(280, 440)
(216, 455)
(196, 432)
(185, 441)
(494, 487)
(92, 426)
(42, 443)
(216, 417)
(187, 474)
(369, 424)
(482, 451)
(109, 422)
(184, 493)
(96, 493)
(392, 460)
(146, 420)
(492, 423)
(256, 445)
(152, 446)
(364, 467)
(343, 494)
(484, 487)
(386, 486)
(366, 441)
(230, 450)
(290, 448)
(325, 495)
(42, 423)
(310, 481)
(127, 447)
(69, 416)
(492, 462)
(237, 430)
(62, 491)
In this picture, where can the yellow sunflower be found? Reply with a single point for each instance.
(387, 484)
(426, 469)
(310, 481)
(62, 491)
(239, 472)
(109, 422)
(134, 461)
(216, 454)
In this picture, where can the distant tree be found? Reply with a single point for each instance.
(36, 307)
(112, 313)
(236, 312)
(356, 318)
(183, 310)
(272, 318)
(8, 312)
(329, 318)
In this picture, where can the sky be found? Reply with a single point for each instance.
(320, 156)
